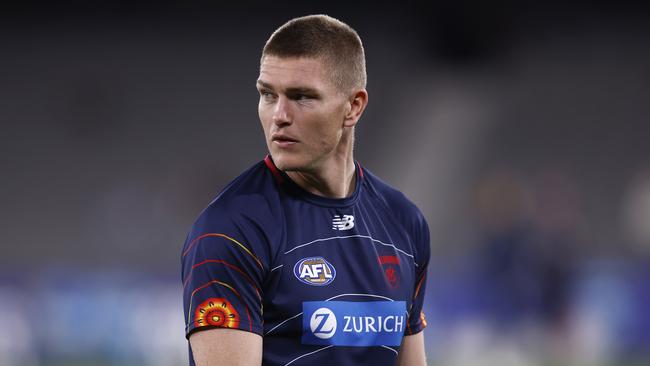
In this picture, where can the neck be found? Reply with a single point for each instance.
(334, 177)
(337, 182)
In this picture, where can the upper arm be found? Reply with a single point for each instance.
(411, 352)
(417, 322)
(225, 260)
(231, 347)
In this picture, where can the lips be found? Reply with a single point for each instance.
(283, 140)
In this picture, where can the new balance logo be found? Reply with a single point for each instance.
(344, 222)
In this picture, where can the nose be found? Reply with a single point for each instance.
(281, 113)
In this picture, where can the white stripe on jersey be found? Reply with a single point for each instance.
(352, 236)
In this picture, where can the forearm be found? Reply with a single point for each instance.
(226, 347)
(412, 351)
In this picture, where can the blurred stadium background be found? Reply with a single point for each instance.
(520, 128)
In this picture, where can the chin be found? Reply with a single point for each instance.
(288, 162)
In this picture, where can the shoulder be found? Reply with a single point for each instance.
(252, 194)
(401, 208)
(249, 206)
(245, 212)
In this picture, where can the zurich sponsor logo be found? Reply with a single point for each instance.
(323, 323)
(343, 222)
(342, 323)
(314, 271)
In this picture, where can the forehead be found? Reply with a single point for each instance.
(292, 72)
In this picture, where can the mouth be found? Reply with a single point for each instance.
(283, 140)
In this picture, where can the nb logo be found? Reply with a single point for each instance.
(323, 323)
(344, 222)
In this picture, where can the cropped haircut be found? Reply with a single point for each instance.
(325, 38)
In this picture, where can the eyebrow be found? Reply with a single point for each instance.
(294, 90)
(264, 84)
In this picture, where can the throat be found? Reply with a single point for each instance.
(330, 184)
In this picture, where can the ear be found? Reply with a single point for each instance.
(356, 104)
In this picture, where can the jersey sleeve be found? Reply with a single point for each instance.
(416, 322)
(224, 262)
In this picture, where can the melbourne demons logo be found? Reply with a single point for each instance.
(343, 222)
(390, 265)
(314, 271)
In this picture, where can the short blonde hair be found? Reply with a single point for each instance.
(321, 36)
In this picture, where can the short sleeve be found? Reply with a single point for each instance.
(224, 261)
(417, 322)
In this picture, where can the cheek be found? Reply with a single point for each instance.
(263, 114)
(328, 134)
(260, 111)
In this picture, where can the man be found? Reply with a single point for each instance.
(307, 258)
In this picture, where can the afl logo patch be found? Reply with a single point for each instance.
(314, 271)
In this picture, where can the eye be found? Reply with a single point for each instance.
(267, 95)
(300, 97)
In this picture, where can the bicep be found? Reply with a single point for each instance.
(412, 352)
(219, 346)
(224, 264)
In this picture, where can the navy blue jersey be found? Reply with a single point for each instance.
(324, 281)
